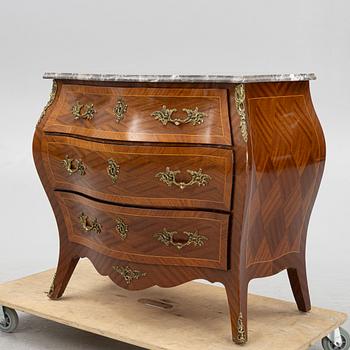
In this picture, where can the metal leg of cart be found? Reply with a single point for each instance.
(8, 319)
(338, 339)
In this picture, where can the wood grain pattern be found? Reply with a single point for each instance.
(275, 178)
(141, 245)
(138, 123)
(286, 155)
(137, 183)
(287, 160)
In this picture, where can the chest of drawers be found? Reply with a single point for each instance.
(159, 180)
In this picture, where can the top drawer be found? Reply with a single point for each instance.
(142, 114)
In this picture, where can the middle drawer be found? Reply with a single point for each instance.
(141, 175)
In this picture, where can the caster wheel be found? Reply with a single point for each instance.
(11, 321)
(328, 345)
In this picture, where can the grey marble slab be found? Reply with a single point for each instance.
(183, 78)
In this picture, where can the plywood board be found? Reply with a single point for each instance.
(192, 316)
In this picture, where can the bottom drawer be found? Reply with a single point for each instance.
(151, 236)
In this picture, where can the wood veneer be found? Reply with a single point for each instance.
(275, 179)
(140, 245)
(138, 123)
(137, 183)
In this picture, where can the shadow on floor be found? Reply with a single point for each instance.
(41, 334)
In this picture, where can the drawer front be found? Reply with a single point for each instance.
(142, 114)
(167, 237)
(141, 175)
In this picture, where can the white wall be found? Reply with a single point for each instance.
(188, 37)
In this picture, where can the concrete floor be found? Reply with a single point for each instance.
(40, 334)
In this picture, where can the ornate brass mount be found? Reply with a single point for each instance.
(52, 286)
(241, 335)
(113, 169)
(193, 116)
(88, 224)
(83, 111)
(120, 109)
(197, 177)
(128, 273)
(74, 166)
(50, 102)
(240, 106)
(122, 228)
(167, 238)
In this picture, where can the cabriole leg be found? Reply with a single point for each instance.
(298, 282)
(65, 269)
(237, 302)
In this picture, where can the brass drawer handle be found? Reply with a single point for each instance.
(128, 273)
(122, 228)
(120, 109)
(193, 116)
(83, 111)
(88, 224)
(197, 177)
(167, 238)
(113, 169)
(74, 166)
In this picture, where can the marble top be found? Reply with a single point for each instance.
(183, 78)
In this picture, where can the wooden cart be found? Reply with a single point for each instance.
(191, 316)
